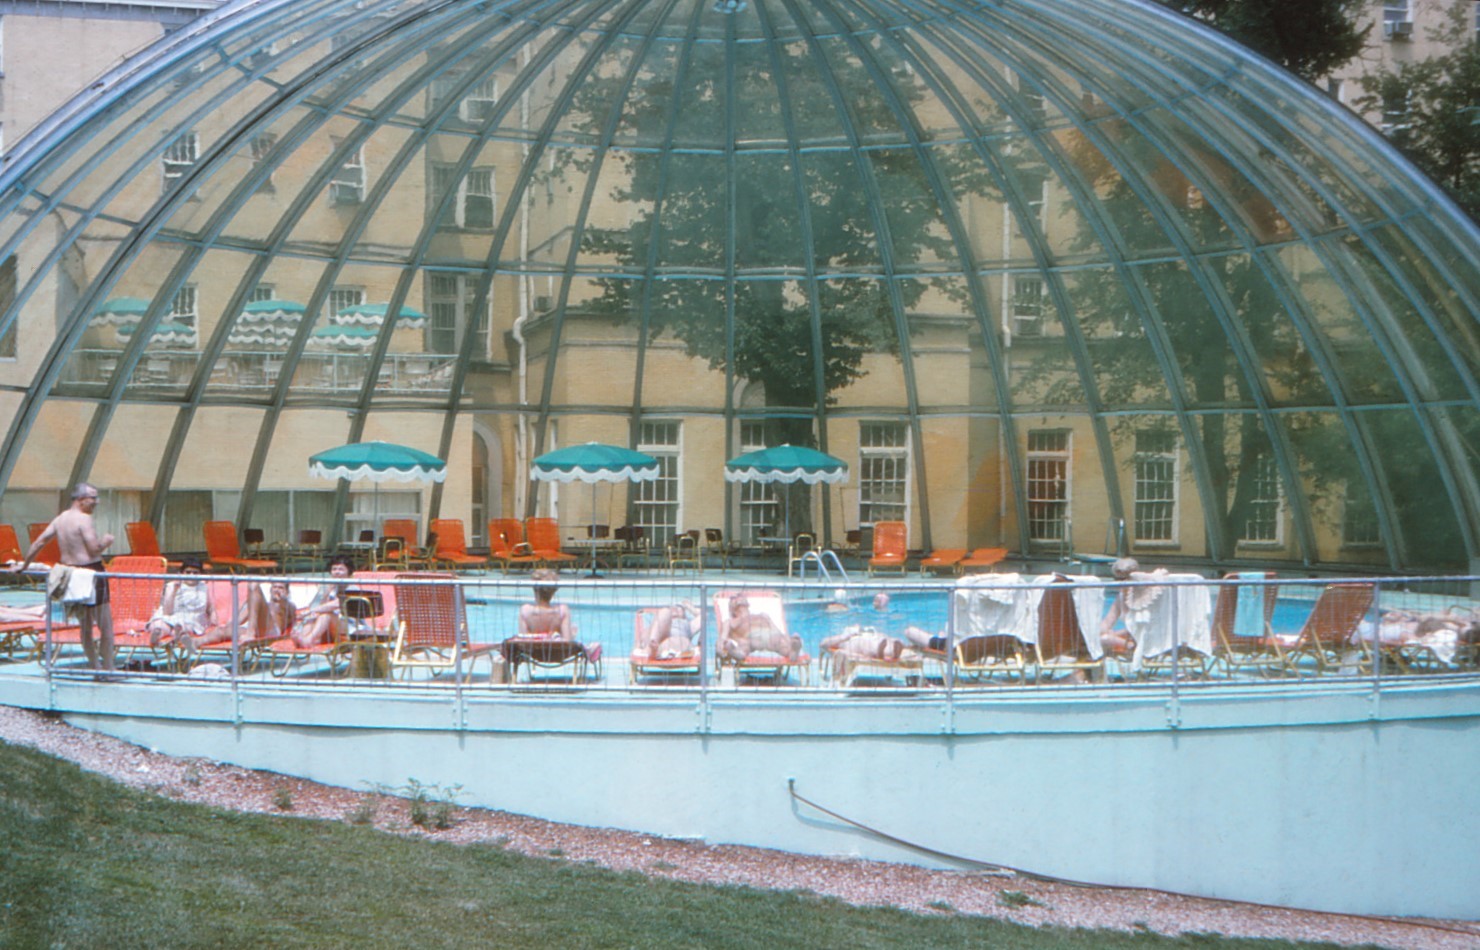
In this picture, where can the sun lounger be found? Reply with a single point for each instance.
(891, 547)
(641, 662)
(982, 559)
(759, 664)
(432, 629)
(942, 559)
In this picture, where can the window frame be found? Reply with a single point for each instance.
(664, 493)
(873, 453)
(1040, 457)
(1169, 455)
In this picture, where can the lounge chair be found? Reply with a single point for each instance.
(372, 629)
(224, 551)
(641, 663)
(132, 602)
(452, 547)
(764, 664)
(506, 545)
(1242, 617)
(1326, 636)
(543, 536)
(143, 542)
(1062, 644)
(51, 552)
(891, 547)
(942, 559)
(844, 669)
(583, 660)
(10, 550)
(432, 628)
(980, 658)
(982, 559)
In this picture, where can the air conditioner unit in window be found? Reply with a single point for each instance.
(544, 304)
(1398, 29)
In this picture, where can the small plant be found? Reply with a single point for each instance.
(663, 866)
(943, 906)
(1017, 899)
(282, 798)
(191, 775)
(416, 795)
(364, 813)
(556, 852)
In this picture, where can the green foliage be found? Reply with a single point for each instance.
(87, 863)
(1432, 106)
(282, 798)
(1311, 38)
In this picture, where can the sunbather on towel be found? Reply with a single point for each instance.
(1442, 633)
(544, 618)
(674, 631)
(744, 633)
(863, 643)
(22, 614)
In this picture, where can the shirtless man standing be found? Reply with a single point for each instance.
(80, 546)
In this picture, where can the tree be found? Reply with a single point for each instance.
(1311, 38)
(1430, 110)
(691, 210)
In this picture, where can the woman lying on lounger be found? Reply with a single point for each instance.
(674, 632)
(22, 614)
(744, 633)
(1441, 633)
(863, 643)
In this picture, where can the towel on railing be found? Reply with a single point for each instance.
(996, 604)
(1248, 618)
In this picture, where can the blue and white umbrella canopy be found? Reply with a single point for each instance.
(786, 464)
(121, 311)
(272, 310)
(373, 314)
(378, 462)
(170, 334)
(594, 462)
(351, 336)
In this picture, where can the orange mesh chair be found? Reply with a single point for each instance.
(132, 601)
(543, 535)
(432, 629)
(225, 551)
(10, 550)
(452, 546)
(506, 544)
(143, 542)
(1327, 633)
(942, 559)
(412, 552)
(1061, 645)
(891, 547)
(1246, 642)
(982, 558)
(50, 552)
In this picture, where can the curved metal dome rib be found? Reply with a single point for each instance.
(998, 228)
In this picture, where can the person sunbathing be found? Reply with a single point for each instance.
(187, 613)
(744, 633)
(22, 614)
(674, 631)
(863, 643)
(269, 618)
(1441, 633)
(321, 621)
(544, 617)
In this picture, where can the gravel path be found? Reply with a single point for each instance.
(857, 882)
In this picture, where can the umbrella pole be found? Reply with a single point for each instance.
(592, 539)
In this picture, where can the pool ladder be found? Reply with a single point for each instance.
(821, 559)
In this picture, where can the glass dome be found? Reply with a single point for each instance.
(1057, 274)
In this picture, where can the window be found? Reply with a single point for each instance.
(262, 292)
(262, 145)
(1035, 198)
(1394, 111)
(1358, 517)
(342, 298)
(179, 158)
(758, 504)
(183, 307)
(348, 184)
(1027, 306)
(9, 338)
(1048, 484)
(1262, 526)
(883, 472)
(480, 102)
(473, 207)
(1397, 20)
(1156, 487)
(656, 503)
(452, 312)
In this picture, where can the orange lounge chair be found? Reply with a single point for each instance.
(132, 602)
(224, 551)
(942, 559)
(891, 547)
(452, 546)
(144, 542)
(51, 552)
(10, 550)
(401, 547)
(1061, 645)
(982, 559)
(769, 665)
(543, 535)
(1326, 635)
(641, 663)
(1246, 642)
(506, 544)
(432, 628)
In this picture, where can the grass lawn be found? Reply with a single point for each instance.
(88, 863)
